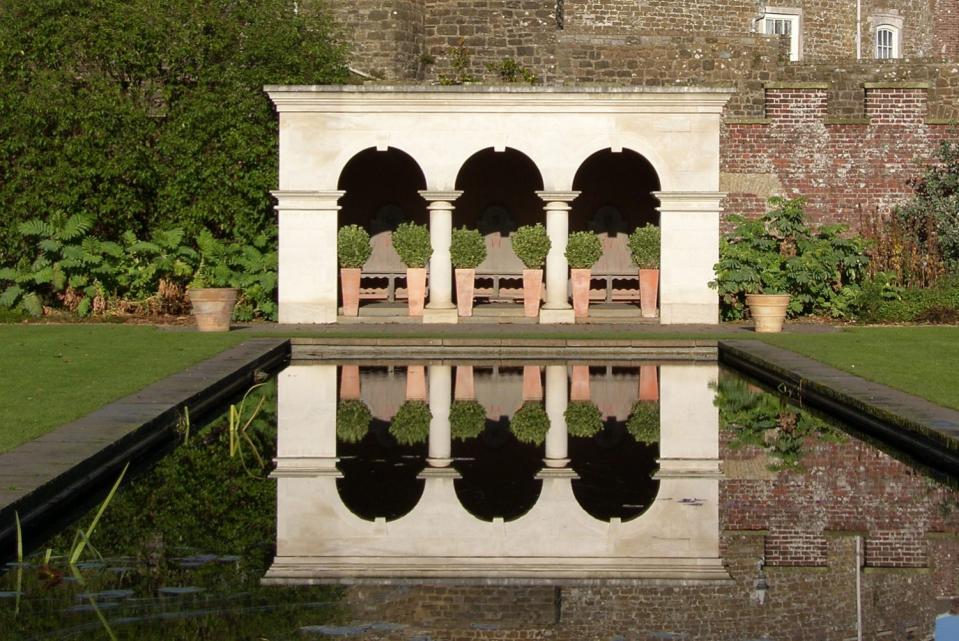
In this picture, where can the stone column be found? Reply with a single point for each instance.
(440, 308)
(308, 270)
(557, 309)
(440, 444)
(689, 222)
(306, 418)
(556, 401)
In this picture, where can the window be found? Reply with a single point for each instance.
(887, 42)
(785, 22)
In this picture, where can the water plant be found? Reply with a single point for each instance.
(352, 420)
(530, 423)
(467, 419)
(583, 419)
(411, 423)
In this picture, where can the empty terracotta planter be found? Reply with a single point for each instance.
(213, 307)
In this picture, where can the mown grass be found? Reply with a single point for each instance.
(52, 374)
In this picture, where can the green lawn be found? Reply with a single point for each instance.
(56, 373)
(920, 360)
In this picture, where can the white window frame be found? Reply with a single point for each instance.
(794, 18)
(888, 20)
(892, 47)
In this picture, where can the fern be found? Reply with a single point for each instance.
(10, 296)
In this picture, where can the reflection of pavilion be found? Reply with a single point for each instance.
(319, 539)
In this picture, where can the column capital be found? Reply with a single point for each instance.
(550, 197)
(306, 200)
(689, 201)
(432, 197)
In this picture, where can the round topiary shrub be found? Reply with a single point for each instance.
(583, 249)
(530, 423)
(531, 245)
(644, 245)
(643, 422)
(412, 243)
(467, 419)
(352, 420)
(583, 419)
(467, 248)
(411, 424)
(353, 246)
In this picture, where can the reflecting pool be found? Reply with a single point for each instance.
(507, 500)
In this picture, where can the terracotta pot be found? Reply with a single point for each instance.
(579, 390)
(213, 307)
(350, 290)
(768, 311)
(464, 390)
(580, 278)
(465, 282)
(349, 382)
(532, 383)
(648, 291)
(416, 289)
(416, 383)
(648, 383)
(532, 291)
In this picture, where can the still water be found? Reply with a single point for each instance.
(510, 500)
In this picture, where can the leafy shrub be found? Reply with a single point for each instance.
(411, 424)
(467, 248)
(147, 262)
(531, 245)
(251, 268)
(779, 254)
(412, 243)
(936, 205)
(467, 419)
(583, 419)
(644, 246)
(883, 302)
(353, 246)
(352, 420)
(530, 423)
(583, 249)
(643, 422)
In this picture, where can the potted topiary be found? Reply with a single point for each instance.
(531, 244)
(467, 419)
(530, 423)
(212, 299)
(353, 249)
(644, 245)
(467, 251)
(412, 243)
(411, 424)
(583, 249)
(583, 419)
(352, 420)
(643, 422)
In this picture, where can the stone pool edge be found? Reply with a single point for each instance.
(45, 479)
(922, 429)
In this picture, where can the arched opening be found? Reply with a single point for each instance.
(382, 192)
(499, 195)
(615, 198)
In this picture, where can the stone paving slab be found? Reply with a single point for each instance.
(924, 427)
(44, 478)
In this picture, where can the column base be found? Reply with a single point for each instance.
(557, 316)
(439, 462)
(689, 313)
(435, 316)
(556, 463)
(307, 313)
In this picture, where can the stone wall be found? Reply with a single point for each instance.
(386, 36)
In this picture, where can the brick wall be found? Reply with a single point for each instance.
(945, 41)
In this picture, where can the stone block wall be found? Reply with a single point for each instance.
(386, 36)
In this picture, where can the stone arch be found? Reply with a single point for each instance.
(381, 192)
(499, 195)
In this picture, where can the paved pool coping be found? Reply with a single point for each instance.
(927, 431)
(48, 479)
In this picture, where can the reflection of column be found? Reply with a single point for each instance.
(689, 421)
(556, 401)
(307, 255)
(440, 447)
(440, 308)
(557, 308)
(306, 417)
(689, 222)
